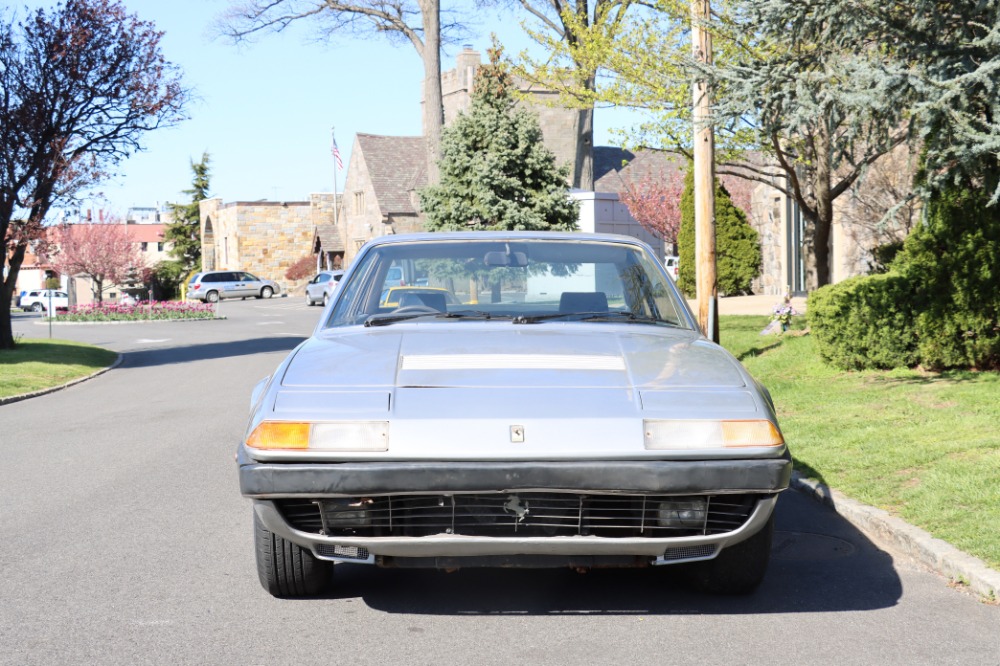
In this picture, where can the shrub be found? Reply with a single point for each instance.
(953, 261)
(301, 269)
(939, 304)
(864, 322)
(737, 244)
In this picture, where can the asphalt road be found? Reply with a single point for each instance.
(125, 541)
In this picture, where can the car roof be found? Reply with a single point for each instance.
(503, 235)
(415, 287)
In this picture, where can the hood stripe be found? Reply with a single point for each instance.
(512, 362)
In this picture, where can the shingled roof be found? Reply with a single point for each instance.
(396, 166)
(615, 167)
(327, 239)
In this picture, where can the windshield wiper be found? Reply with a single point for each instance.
(390, 318)
(472, 314)
(615, 315)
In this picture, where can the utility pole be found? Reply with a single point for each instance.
(704, 176)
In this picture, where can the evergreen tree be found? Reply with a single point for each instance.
(496, 173)
(185, 230)
(737, 244)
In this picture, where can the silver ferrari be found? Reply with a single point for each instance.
(541, 400)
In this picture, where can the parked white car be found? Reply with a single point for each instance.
(672, 264)
(37, 300)
(321, 287)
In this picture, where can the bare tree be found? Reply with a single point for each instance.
(419, 22)
(79, 87)
(105, 253)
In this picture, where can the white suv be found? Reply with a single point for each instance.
(37, 300)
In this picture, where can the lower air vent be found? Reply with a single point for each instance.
(343, 552)
(527, 514)
(688, 553)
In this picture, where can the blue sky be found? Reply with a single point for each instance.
(264, 111)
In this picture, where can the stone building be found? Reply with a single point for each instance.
(265, 237)
(385, 172)
(380, 191)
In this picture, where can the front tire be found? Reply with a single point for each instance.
(736, 570)
(286, 569)
(266, 292)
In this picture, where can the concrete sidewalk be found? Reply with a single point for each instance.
(752, 305)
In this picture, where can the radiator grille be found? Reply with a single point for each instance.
(519, 514)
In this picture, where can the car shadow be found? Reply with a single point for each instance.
(819, 563)
(213, 350)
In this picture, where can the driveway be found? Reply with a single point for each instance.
(126, 542)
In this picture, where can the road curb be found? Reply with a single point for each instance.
(53, 389)
(886, 529)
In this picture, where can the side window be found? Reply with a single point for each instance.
(323, 277)
(249, 277)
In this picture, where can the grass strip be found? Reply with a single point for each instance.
(923, 446)
(35, 365)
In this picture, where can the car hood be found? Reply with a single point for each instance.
(552, 355)
(507, 360)
(459, 391)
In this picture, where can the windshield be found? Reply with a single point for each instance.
(528, 281)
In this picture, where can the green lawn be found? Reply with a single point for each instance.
(40, 364)
(924, 446)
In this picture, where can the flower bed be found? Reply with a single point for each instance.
(143, 311)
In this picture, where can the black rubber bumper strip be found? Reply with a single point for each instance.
(263, 480)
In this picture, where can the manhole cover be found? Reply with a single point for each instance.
(803, 546)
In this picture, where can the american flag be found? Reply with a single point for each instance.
(336, 154)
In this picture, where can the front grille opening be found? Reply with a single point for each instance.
(521, 514)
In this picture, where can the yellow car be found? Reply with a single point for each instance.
(393, 295)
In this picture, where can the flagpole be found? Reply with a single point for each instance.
(333, 147)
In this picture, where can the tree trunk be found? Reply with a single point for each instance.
(583, 166)
(7, 295)
(433, 105)
(823, 222)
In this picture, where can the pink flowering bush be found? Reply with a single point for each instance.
(142, 311)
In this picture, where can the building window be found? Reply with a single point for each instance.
(159, 247)
(143, 246)
(359, 202)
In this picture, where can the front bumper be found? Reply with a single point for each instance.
(267, 482)
(274, 480)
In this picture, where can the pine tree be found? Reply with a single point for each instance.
(496, 173)
(185, 230)
(737, 244)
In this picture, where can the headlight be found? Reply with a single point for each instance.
(342, 436)
(702, 434)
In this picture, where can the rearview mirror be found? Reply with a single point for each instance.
(517, 259)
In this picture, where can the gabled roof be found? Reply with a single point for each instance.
(615, 167)
(396, 166)
(327, 239)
